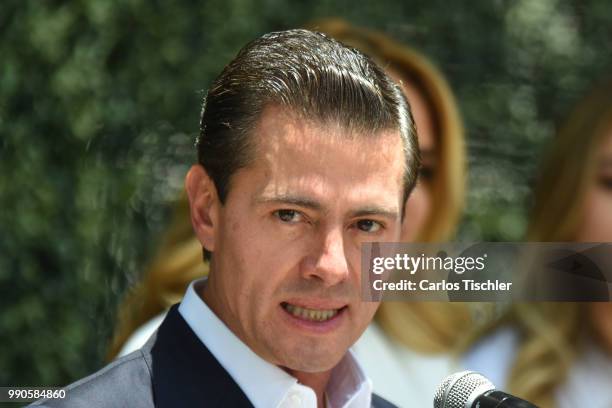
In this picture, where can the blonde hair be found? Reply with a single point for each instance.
(428, 327)
(551, 333)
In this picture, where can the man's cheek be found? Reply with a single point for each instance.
(366, 312)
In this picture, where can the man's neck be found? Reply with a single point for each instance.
(316, 381)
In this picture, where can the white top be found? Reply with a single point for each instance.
(264, 384)
(493, 356)
(141, 335)
(404, 377)
(588, 382)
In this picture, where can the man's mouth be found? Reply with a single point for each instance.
(314, 315)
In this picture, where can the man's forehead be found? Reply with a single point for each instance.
(280, 131)
(309, 160)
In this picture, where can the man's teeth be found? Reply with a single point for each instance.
(317, 315)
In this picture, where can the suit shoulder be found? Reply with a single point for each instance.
(124, 382)
(380, 402)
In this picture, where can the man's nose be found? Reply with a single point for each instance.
(329, 263)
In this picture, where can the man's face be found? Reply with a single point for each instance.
(286, 258)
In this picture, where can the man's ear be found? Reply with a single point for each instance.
(205, 205)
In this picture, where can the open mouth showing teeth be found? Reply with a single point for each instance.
(315, 315)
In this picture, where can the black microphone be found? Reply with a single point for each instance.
(469, 389)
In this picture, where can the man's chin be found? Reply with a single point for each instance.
(311, 357)
(313, 364)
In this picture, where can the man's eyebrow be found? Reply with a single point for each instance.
(291, 200)
(315, 205)
(380, 211)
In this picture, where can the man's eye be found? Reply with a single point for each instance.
(368, 225)
(288, 215)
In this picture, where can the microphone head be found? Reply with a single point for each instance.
(459, 390)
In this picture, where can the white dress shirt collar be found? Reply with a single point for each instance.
(265, 384)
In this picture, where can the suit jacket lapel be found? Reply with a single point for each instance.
(185, 373)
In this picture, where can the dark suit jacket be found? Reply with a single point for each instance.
(173, 369)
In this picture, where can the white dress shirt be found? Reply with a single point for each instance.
(265, 384)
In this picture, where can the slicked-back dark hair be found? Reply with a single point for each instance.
(311, 75)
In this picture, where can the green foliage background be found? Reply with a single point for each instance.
(99, 105)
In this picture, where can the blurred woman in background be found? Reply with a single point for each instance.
(392, 348)
(178, 261)
(560, 354)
